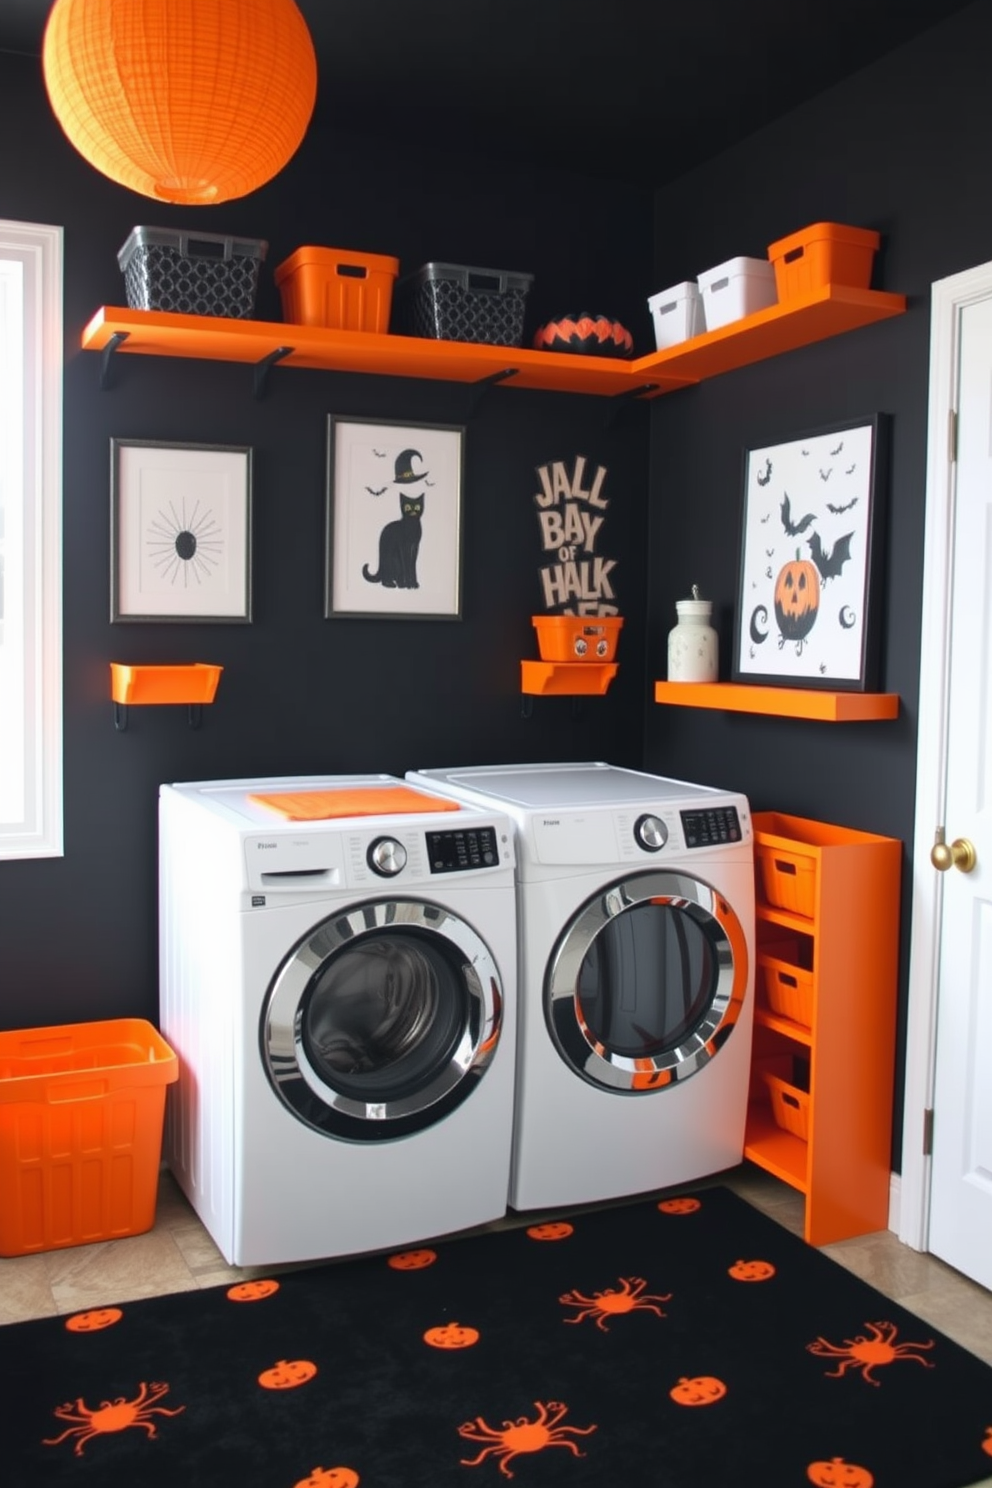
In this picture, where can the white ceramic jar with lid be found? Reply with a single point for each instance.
(692, 643)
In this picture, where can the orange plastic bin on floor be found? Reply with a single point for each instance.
(81, 1113)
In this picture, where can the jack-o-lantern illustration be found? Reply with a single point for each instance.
(679, 1206)
(797, 599)
(330, 1477)
(94, 1320)
(412, 1260)
(558, 1229)
(451, 1336)
(751, 1270)
(287, 1374)
(839, 1474)
(703, 1389)
(253, 1291)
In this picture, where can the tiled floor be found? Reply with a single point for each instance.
(178, 1255)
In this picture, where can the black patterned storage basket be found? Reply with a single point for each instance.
(450, 302)
(191, 273)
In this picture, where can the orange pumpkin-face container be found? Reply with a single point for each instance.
(92, 1322)
(330, 1477)
(451, 1336)
(797, 599)
(553, 1230)
(839, 1474)
(253, 1291)
(704, 1389)
(287, 1374)
(751, 1270)
(412, 1260)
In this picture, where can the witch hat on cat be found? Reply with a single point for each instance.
(405, 473)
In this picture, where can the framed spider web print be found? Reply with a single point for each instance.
(180, 531)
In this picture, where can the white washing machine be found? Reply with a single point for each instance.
(337, 977)
(635, 976)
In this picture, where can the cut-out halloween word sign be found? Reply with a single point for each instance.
(571, 510)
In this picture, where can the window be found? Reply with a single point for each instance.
(30, 540)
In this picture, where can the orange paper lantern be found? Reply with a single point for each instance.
(189, 101)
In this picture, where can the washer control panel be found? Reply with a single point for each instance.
(465, 848)
(711, 827)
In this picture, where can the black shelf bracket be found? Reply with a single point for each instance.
(478, 390)
(194, 716)
(622, 401)
(263, 367)
(107, 357)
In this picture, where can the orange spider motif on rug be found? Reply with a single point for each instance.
(523, 1435)
(112, 1415)
(867, 1354)
(629, 1296)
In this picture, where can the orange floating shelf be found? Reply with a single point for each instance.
(566, 678)
(800, 321)
(785, 702)
(140, 685)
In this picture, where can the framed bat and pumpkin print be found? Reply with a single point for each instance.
(811, 559)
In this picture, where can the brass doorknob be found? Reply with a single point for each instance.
(959, 854)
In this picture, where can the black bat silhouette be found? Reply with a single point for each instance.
(830, 564)
(379, 454)
(851, 468)
(764, 479)
(793, 528)
(805, 452)
(769, 552)
(825, 474)
(838, 509)
(376, 493)
(838, 449)
(765, 519)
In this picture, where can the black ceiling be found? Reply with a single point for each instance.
(633, 89)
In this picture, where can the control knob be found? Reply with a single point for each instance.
(650, 833)
(387, 857)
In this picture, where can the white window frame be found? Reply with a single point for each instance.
(31, 354)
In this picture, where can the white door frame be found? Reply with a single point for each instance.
(948, 297)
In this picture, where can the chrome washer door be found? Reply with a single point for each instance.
(381, 1021)
(646, 982)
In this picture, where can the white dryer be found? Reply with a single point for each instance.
(635, 976)
(337, 976)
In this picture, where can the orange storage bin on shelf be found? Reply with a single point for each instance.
(825, 253)
(338, 289)
(788, 989)
(790, 1106)
(577, 637)
(81, 1113)
(788, 879)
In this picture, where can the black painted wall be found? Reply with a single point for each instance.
(902, 148)
(300, 693)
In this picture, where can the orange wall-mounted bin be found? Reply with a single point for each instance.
(577, 637)
(825, 253)
(336, 288)
(192, 683)
(81, 1113)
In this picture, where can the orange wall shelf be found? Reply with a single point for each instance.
(828, 311)
(785, 702)
(566, 678)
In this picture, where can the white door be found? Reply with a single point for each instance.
(953, 943)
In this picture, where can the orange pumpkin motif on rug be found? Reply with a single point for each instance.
(752, 1271)
(253, 1291)
(987, 1443)
(871, 1353)
(451, 1336)
(330, 1477)
(703, 1389)
(93, 1321)
(412, 1260)
(112, 1415)
(629, 1296)
(287, 1374)
(839, 1474)
(558, 1229)
(523, 1435)
(679, 1206)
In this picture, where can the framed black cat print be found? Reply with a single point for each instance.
(394, 520)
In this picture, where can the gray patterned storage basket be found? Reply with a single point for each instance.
(451, 302)
(191, 273)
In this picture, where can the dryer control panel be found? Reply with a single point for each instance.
(456, 851)
(712, 827)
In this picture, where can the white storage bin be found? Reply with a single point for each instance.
(677, 314)
(736, 288)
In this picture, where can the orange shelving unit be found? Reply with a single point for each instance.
(830, 310)
(785, 702)
(820, 1110)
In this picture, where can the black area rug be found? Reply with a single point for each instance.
(688, 1344)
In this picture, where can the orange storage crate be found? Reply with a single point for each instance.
(825, 253)
(790, 1105)
(577, 637)
(336, 288)
(788, 879)
(788, 989)
(81, 1113)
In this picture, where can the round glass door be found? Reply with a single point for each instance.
(382, 1020)
(647, 982)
